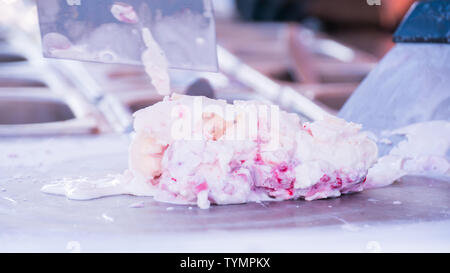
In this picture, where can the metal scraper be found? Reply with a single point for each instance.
(412, 82)
(110, 31)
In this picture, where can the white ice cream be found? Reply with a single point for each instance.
(423, 152)
(317, 160)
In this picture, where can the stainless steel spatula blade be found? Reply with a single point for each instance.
(111, 31)
(412, 82)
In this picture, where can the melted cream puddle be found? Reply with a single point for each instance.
(87, 189)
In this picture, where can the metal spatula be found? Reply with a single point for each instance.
(111, 31)
(412, 82)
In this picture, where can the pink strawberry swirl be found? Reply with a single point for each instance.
(316, 160)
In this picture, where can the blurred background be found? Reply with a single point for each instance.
(318, 49)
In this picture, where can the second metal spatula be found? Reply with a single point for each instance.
(412, 82)
(111, 31)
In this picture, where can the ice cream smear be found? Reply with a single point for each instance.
(424, 151)
(124, 13)
(156, 64)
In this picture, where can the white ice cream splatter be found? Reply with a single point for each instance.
(107, 218)
(10, 200)
(347, 226)
(137, 205)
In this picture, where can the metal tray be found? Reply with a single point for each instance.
(411, 215)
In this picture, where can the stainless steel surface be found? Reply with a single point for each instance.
(36, 98)
(23, 74)
(285, 96)
(137, 99)
(11, 58)
(110, 31)
(330, 97)
(90, 88)
(9, 55)
(19, 109)
(39, 111)
(201, 87)
(411, 84)
(411, 215)
(10, 81)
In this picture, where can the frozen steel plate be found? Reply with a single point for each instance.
(411, 215)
